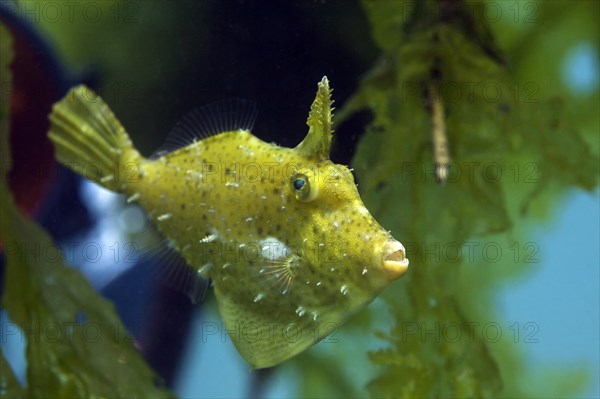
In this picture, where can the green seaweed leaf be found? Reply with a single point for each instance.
(499, 142)
(77, 347)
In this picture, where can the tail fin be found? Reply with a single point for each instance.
(89, 139)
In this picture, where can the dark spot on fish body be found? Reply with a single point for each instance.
(259, 230)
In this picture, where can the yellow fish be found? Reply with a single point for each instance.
(282, 233)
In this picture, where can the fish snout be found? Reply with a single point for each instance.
(394, 259)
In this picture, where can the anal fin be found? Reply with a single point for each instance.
(170, 268)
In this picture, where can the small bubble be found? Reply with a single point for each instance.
(133, 198)
(209, 238)
(163, 217)
(205, 268)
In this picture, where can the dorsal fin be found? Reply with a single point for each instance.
(317, 142)
(209, 120)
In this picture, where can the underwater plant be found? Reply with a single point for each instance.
(447, 173)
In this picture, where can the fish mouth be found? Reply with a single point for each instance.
(394, 259)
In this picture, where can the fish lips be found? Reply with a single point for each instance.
(393, 260)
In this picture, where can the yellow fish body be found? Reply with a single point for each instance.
(282, 232)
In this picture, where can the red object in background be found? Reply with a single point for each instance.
(32, 95)
(37, 82)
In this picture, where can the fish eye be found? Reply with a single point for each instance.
(303, 190)
(299, 183)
